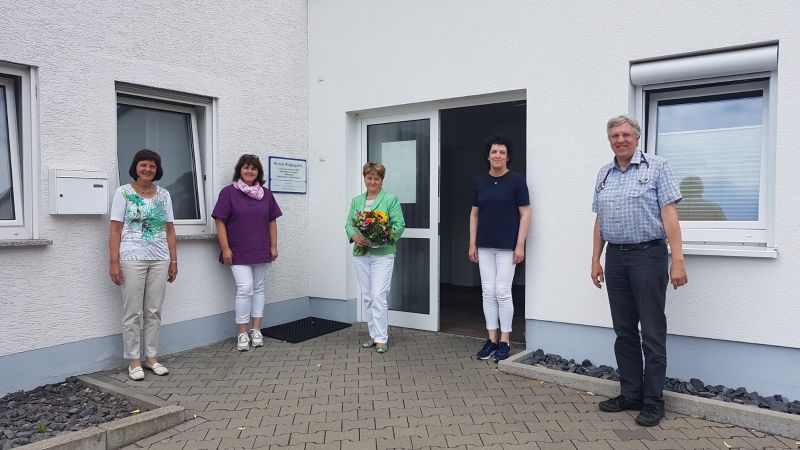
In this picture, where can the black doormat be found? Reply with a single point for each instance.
(303, 329)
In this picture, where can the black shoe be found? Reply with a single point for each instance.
(619, 403)
(488, 349)
(650, 416)
(503, 350)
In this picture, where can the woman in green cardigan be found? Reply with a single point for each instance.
(374, 262)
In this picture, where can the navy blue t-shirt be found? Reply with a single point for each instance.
(498, 200)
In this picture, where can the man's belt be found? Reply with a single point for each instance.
(639, 246)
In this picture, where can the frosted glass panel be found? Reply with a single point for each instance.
(170, 135)
(401, 156)
(714, 149)
(404, 148)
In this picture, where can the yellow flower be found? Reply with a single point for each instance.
(382, 216)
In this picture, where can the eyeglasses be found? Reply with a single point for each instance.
(251, 156)
(622, 136)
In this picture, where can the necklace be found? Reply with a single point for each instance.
(143, 191)
(498, 178)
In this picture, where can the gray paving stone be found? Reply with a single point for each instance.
(476, 429)
(456, 420)
(307, 418)
(248, 442)
(451, 430)
(488, 418)
(168, 446)
(209, 444)
(335, 425)
(191, 435)
(333, 436)
(579, 425)
(565, 445)
(473, 439)
(668, 444)
(492, 439)
(383, 433)
(627, 445)
(604, 435)
(225, 433)
(529, 446)
(268, 441)
(428, 392)
(559, 436)
(305, 437)
(592, 445)
(268, 430)
(366, 424)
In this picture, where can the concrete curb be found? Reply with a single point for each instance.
(772, 422)
(121, 432)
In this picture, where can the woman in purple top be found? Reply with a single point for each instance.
(248, 236)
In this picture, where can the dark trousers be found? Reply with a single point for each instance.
(637, 289)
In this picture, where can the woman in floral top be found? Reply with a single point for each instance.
(143, 258)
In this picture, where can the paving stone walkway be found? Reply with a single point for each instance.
(428, 391)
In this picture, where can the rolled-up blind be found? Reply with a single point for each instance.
(736, 62)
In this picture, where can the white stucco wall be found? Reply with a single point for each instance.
(251, 57)
(572, 60)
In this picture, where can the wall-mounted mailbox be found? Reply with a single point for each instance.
(78, 192)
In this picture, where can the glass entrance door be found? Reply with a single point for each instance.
(408, 145)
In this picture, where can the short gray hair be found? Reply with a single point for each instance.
(621, 119)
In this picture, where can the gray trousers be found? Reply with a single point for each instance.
(144, 284)
(636, 281)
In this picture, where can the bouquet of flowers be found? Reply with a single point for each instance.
(374, 226)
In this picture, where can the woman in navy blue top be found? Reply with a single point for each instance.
(498, 226)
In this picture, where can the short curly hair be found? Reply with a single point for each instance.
(497, 139)
(249, 160)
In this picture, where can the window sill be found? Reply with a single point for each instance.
(727, 250)
(25, 242)
(197, 237)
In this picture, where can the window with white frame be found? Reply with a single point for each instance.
(17, 198)
(712, 118)
(177, 127)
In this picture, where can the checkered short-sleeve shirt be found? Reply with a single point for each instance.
(629, 202)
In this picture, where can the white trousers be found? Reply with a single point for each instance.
(497, 274)
(249, 300)
(375, 278)
(144, 284)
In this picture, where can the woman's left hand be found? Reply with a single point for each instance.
(519, 254)
(173, 272)
(360, 240)
(273, 253)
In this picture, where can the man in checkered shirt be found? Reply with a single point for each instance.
(635, 199)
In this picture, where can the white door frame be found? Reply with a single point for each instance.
(414, 111)
(428, 321)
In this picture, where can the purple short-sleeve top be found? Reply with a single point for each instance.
(247, 223)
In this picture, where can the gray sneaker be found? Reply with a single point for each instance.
(243, 342)
(256, 339)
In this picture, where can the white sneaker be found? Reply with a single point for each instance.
(256, 338)
(243, 342)
(136, 373)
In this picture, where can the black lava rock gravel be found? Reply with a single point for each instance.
(53, 409)
(693, 387)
